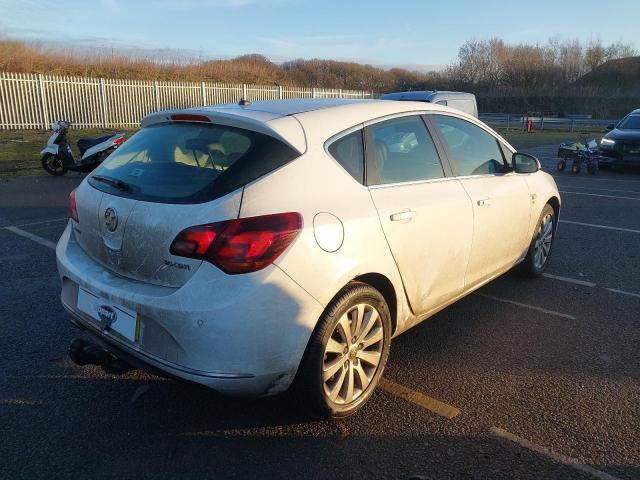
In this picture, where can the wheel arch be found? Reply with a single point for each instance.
(555, 204)
(381, 283)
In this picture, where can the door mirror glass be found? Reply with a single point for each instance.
(524, 163)
(611, 126)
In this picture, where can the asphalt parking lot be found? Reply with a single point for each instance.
(531, 378)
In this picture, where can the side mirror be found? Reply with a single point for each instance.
(611, 126)
(524, 163)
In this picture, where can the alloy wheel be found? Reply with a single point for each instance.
(543, 241)
(352, 354)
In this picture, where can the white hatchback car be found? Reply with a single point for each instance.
(255, 247)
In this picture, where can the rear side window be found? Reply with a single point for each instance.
(189, 162)
(349, 152)
(403, 151)
(474, 151)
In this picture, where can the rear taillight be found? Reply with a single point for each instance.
(72, 210)
(242, 245)
(118, 141)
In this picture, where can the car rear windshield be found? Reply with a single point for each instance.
(632, 122)
(189, 162)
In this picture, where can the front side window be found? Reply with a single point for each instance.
(349, 152)
(403, 152)
(474, 151)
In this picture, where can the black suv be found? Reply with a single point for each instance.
(621, 146)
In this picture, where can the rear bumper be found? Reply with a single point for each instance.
(239, 334)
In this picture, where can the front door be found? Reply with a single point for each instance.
(501, 199)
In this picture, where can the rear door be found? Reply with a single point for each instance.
(426, 216)
(501, 199)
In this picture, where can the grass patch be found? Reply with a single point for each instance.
(520, 139)
(20, 149)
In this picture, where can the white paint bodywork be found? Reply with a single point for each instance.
(246, 334)
(52, 147)
(100, 147)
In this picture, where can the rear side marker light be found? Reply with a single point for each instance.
(189, 117)
(242, 245)
(72, 208)
(118, 141)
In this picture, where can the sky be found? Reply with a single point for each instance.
(415, 34)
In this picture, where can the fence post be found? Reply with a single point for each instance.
(103, 98)
(204, 94)
(280, 92)
(244, 91)
(340, 93)
(43, 102)
(313, 93)
(508, 121)
(542, 123)
(156, 95)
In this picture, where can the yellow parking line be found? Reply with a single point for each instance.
(420, 399)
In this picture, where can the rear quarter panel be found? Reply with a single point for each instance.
(315, 183)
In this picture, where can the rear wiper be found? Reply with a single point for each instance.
(114, 182)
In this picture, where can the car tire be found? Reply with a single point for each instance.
(537, 258)
(337, 374)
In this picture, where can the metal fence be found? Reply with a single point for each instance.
(569, 123)
(34, 101)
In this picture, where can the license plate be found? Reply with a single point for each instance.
(111, 316)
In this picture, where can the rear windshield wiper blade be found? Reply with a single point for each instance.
(119, 184)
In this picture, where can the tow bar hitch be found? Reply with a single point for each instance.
(84, 352)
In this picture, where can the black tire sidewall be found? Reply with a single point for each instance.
(309, 387)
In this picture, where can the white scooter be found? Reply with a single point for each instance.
(57, 157)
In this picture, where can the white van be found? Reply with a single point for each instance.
(463, 101)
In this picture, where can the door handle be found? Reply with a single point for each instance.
(484, 201)
(404, 216)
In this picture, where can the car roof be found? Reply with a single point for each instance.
(299, 121)
(424, 95)
(289, 106)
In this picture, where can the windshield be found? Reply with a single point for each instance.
(632, 122)
(188, 162)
